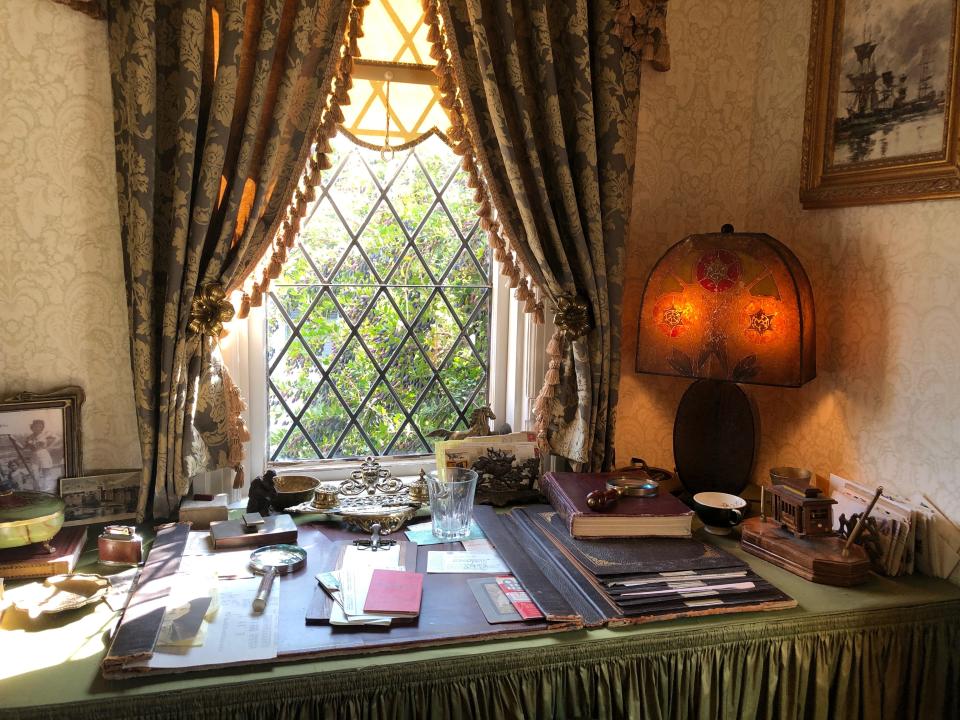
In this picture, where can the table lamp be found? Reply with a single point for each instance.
(725, 308)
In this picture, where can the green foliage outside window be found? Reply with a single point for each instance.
(378, 328)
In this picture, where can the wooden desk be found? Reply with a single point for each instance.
(887, 649)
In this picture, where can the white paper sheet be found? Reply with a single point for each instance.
(447, 561)
(236, 634)
(692, 590)
(480, 547)
(384, 558)
(681, 576)
(231, 564)
(198, 543)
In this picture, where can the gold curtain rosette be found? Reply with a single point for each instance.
(210, 310)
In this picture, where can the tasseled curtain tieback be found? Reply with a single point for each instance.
(572, 320)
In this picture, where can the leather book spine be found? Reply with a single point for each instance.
(592, 606)
(515, 551)
(559, 500)
(138, 629)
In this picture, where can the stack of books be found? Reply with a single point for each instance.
(657, 576)
(36, 560)
(659, 516)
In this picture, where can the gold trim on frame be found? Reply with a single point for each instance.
(919, 177)
(68, 399)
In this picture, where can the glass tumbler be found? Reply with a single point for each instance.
(451, 501)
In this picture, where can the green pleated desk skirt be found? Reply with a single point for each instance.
(887, 649)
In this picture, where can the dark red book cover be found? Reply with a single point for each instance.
(567, 492)
(394, 592)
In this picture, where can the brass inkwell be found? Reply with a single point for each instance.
(371, 496)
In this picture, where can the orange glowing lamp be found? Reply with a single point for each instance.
(725, 308)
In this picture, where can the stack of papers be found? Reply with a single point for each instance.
(349, 585)
(914, 535)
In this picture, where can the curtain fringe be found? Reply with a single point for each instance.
(464, 146)
(270, 266)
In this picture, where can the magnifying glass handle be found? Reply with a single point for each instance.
(263, 592)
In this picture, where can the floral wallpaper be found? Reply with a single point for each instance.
(720, 141)
(64, 317)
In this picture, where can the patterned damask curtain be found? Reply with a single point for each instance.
(217, 104)
(548, 94)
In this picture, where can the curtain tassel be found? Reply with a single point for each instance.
(274, 268)
(244, 307)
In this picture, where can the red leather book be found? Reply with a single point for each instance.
(33, 561)
(394, 592)
(660, 516)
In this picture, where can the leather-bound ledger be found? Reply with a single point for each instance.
(607, 557)
(33, 561)
(659, 516)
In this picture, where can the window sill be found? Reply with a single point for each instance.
(336, 470)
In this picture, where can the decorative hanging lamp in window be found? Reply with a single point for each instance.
(725, 308)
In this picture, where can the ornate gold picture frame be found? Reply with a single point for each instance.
(882, 120)
(40, 439)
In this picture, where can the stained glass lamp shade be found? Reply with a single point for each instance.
(725, 308)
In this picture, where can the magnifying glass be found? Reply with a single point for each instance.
(273, 560)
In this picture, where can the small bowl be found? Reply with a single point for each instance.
(719, 512)
(795, 477)
(293, 490)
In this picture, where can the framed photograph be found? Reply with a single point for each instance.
(882, 121)
(105, 497)
(40, 439)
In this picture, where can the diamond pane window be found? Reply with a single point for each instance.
(377, 330)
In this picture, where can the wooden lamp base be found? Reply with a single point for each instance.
(817, 558)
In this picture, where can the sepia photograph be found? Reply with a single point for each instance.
(32, 449)
(101, 498)
(881, 115)
(893, 75)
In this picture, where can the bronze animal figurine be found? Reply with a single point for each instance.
(262, 494)
(479, 426)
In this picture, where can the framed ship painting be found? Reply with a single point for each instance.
(882, 121)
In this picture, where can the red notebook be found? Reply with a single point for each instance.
(660, 516)
(394, 592)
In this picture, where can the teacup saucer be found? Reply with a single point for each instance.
(717, 530)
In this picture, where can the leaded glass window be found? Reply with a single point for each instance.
(378, 328)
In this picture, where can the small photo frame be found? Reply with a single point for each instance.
(104, 497)
(40, 439)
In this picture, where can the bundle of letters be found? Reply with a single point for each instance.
(905, 535)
